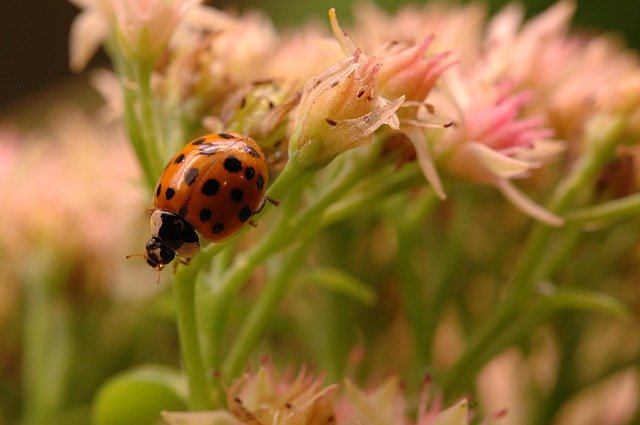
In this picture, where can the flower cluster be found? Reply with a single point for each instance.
(486, 104)
(265, 398)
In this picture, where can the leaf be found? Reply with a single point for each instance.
(137, 396)
(582, 299)
(342, 282)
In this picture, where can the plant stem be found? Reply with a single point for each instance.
(152, 138)
(448, 263)
(184, 293)
(602, 136)
(47, 340)
(616, 209)
(258, 319)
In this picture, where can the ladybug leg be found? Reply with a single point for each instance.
(184, 261)
(264, 202)
(261, 206)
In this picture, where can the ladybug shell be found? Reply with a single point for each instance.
(216, 183)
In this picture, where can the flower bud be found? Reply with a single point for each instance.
(339, 110)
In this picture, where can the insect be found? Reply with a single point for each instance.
(213, 185)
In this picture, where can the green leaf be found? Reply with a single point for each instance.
(342, 282)
(137, 396)
(583, 299)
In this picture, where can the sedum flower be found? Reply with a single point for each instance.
(265, 399)
(142, 28)
(493, 142)
(407, 70)
(339, 110)
(387, 404)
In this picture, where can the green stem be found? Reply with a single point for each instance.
(410, 284)
(126, 76)
(47, 341)
(602, 136)
(184, 293)
(616, 209)
(290, 222)
(448, 262)
(152, 138)
(258, 320)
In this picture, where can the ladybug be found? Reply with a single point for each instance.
(212, 186)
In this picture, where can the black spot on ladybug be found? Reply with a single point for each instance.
(169, 193)
(249, 173)
(210, 187)
(205, 214)
(198, 141)
(226, 136)
(251, 151)
(232, 164)
(190, 175)
(244, 214)
(218, 227)
(260, 182)
(179, 159)
(158, 190)
(209, 149)
(237, 194)
(183, 211)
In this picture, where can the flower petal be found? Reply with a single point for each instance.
(87, 32)
(200, 418)
(494, 162)
(457, 414)
(425, 160)
(526, 205)
(543, 149)
(354, 132)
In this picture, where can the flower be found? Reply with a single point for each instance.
(88, 30)
(407, 71)
(266, 399)
(493, 143)
(75, 207)
(339, 110)
(142, 28)
(386, 404)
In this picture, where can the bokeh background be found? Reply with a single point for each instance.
(33, 48)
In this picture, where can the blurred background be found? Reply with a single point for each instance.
(33, 50)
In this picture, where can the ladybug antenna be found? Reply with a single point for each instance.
(146, 256)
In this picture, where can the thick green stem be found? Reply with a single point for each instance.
(184, 293)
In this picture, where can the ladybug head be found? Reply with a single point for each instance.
(158, 254)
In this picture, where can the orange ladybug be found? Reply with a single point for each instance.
(213, 185)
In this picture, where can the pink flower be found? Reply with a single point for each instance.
(407, 70)
(493, 142)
